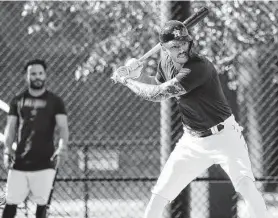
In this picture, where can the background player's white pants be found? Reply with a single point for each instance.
(193, 155)
(36, 184)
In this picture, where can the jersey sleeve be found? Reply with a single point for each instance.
(13, 107)
(199, 73)
(60, 107)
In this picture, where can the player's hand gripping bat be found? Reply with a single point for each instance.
(124, 71)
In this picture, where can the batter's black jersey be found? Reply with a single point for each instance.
(204, 105)
(36, 124)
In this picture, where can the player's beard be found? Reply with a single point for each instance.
(182, 57)
(37, 84)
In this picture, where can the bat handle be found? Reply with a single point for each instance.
(150, 52)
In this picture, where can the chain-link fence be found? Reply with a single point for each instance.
(117, 141)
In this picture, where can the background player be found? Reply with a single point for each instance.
(33, 115)
(211, 134)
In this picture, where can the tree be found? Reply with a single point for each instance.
(107, 31)
(233, 27)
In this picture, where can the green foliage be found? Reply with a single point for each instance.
(107, 31)
(233, 27)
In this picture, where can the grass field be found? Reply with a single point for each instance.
(117, 209)
(130, 207)
(125, 209)
(96, 209)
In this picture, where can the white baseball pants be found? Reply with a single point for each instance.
(193, 155)
(36, 184)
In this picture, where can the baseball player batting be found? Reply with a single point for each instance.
(211, 133)
(34, 113)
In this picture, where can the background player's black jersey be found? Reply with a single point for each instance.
(204, 105)
(36, 124)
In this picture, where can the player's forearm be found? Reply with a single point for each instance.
(9, 136)
(63, 138)
(155, 93)
(146, 91)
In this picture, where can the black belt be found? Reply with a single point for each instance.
(210, 131)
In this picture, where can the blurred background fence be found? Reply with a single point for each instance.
(118, 142)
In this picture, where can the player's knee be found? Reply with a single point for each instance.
(9, 211)
(41, 211)
(246, 186)
(155, 206)
(159, 200)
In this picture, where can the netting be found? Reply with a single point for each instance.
(117, 139)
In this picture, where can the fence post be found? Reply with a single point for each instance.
(268, 129)
(86, 188)
(171, 126)
(222, 198)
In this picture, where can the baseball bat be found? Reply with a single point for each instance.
(189, 22)
(52, 189)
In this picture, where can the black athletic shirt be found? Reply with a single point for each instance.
(36, 124)
(204, 105)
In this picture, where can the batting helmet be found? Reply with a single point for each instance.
(174, 30)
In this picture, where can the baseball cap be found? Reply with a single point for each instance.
(174, 30)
